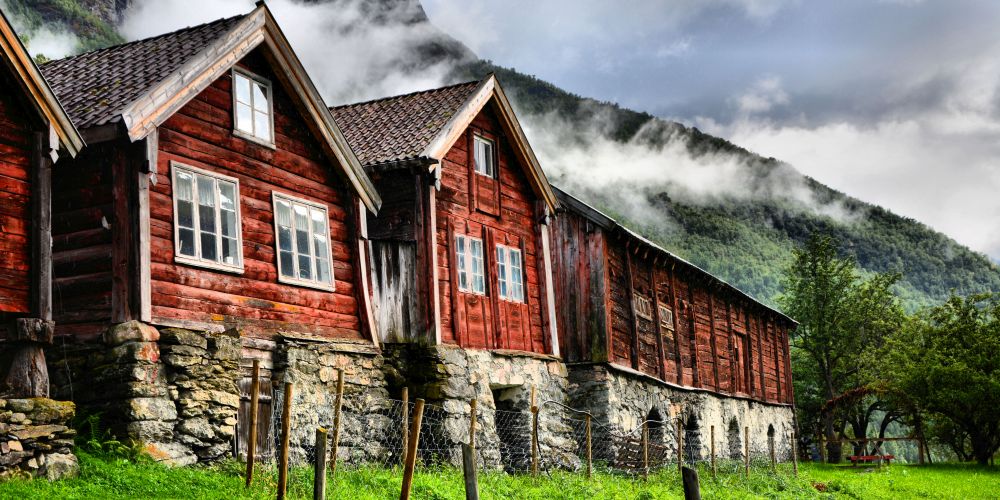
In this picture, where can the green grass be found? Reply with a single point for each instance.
(116, 478)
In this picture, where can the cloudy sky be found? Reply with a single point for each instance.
(895, 102)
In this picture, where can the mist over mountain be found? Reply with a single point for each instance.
(723, 207)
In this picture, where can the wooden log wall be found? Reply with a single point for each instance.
(581, 281)
(201, 135)
(15, 201)
(502, 211)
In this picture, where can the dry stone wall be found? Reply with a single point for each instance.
(35, 439)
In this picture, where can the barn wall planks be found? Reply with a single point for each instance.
(200, 135)
(15, 196)
(716, 340)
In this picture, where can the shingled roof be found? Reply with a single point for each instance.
(400, 128)
(96, 87)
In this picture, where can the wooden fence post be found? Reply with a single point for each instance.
(411, 449)
(286, 430)
(534, 434)
(472, 425)
(714, 471)
(469, 472)
(795, 455)
(689, 477)
(746, 457)
(680, 444)
(406, 421)
(645, 450)
(590, 457)
(319, 469)
(337, 409)
(252, 428)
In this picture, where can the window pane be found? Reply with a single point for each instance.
(260, 98)
(502, 271)
(478, 281)
(283, 216)
(242, 85)
(208, 250)
(323, 271)
(262, 126)
(287, 262)
(227, 196)
(305, 267)
(206, 217)
(318, 221)
(185, 214)
(186, 240)
(244, 118)
(183, 187)
(230, 251)
(463, 278)
(321, 246)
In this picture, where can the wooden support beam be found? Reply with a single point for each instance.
(677, 336)
(714, 346)
(633, 324)
(760, 360)
(660, 368)
(693, 340)
(733, 366)
(41, 235)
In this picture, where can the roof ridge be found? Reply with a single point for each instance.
(142, 40)
(409, 94)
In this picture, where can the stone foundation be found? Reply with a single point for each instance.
(448, 378)
(625, 400)
(177, 393)
(35, 439)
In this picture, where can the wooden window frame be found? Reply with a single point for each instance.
(288, 280)
(666, 316)
(506, 280)
(266, 84)
(466, 260)
(477, 138)
(196, 260)
(643, 306)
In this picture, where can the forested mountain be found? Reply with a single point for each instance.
(746, 240)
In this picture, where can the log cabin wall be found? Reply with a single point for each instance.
(201, 135)
(16, 128)
(664, 318)
(499, 211)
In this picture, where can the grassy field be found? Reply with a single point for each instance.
(111, 478)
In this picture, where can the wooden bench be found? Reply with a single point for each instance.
(867, 459)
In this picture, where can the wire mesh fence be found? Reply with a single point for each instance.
(548, 441)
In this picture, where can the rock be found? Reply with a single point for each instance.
(184, 337)
(61, 466)
(131, 331)
(21, 405)
(173, 454)
(150, 430)
(151, 409)
(48, 410)
(197, 427)
(38, 431)
(144, 352)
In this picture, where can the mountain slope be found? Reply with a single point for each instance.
(746, 240)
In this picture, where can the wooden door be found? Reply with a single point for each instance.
(265, 441)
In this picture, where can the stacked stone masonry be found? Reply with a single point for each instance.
(35, 439)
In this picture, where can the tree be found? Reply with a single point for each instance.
(841, 316)
(948, 362)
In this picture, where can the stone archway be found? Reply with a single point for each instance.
(735, 442)
(692, 439)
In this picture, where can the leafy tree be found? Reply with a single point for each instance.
(841, 316)
(948, 363)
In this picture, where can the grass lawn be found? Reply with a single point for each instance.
(110, 478)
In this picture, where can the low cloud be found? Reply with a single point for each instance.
(49, 40)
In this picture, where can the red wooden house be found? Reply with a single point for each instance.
(628, 303)
(217, 193)
(460, 249)
(34, 130)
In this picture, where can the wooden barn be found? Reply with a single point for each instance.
(459, 251)
(664, 336)
(34, 132)
(217, 216)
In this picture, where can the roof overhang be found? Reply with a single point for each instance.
(259, 27)
(43, 100)
(488, 91)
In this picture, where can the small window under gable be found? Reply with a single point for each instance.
(302, 233)
(485, 156)
(253, 112)
(207, 227)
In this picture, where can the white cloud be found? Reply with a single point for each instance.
(349, 57)
(762, 97)
(52, 41)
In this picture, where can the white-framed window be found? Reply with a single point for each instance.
(469, 258)
(642, 306)
(666, 317)
(510, 273)
(302, 238)
(485, 157)
(207, 227)
(253, 112)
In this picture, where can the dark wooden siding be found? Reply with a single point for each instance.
(15, 206)
(579, 272)
(512, 223)
(200, 135)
